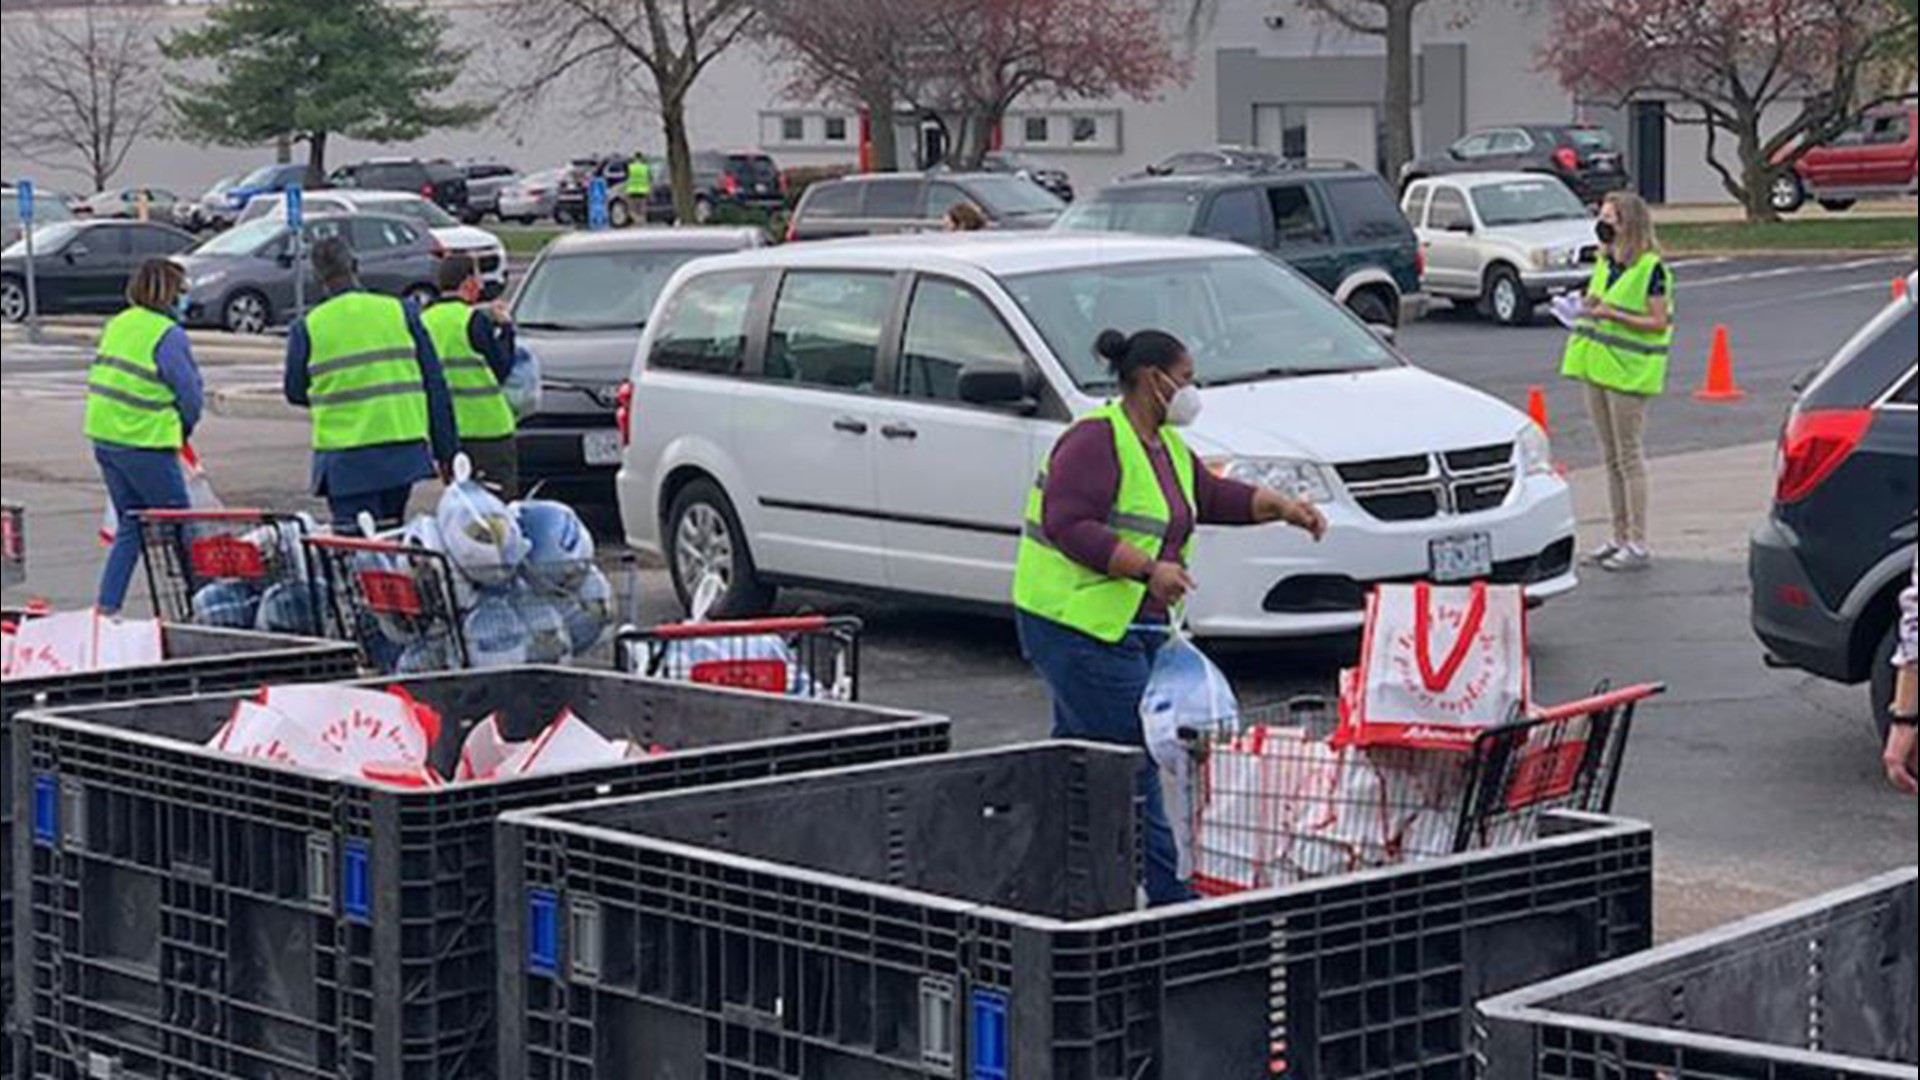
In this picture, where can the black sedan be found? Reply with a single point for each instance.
(82, 267)
(1583, 156)
(1051, 177)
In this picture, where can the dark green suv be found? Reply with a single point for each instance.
(1337, 225)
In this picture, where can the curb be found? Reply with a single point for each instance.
(258, 401)
(1892, 254)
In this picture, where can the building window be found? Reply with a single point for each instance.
(836, 129)
(1086, 129)
(1039, 129)
(793, 129)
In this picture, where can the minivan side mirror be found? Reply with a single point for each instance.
(76, 252)
(994, 386)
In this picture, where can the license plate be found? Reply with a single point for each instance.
(1462, 558)
(601, 447)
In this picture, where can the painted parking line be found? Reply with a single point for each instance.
(1808, 268)
(1879, 288)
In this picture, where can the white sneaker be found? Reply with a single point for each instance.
(1627, 560)
(1599, 555)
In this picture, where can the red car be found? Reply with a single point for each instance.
(1876, 158)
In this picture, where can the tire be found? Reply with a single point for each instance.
(703, 538)
(246, 312)
(1882, 683)
(421, 296)
(703, 211)
(1789, 194)
(619, 215)
(1507, 300)
(1839, 206)
(13, 300)
(1373, 308)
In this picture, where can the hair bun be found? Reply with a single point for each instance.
(1111, 345)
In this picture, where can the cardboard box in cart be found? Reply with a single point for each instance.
(1825, 990)
(975, 916)
(200, 917)
(198, 661)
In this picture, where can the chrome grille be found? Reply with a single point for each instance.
(1426, 486)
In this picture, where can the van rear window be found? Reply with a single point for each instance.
(833, 201)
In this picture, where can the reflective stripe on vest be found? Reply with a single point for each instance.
(128, 403)
(1618, 357)
(1052, 586)
(363, 377)
(479, 405)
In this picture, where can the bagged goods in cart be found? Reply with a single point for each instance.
(1439, 666)
(480, 534)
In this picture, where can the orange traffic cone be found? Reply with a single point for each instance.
(1537, 408)
(1720, 385)
(1900, 288)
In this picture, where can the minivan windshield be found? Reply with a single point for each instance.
(1247, 318)
(1157, 212)
(598, 291)
(1526, 202)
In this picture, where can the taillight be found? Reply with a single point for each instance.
(729, 184)
(426, 192)
(1814, 447)
(623, 412)
(439, 249)
(1567, 158)
(1420, 263)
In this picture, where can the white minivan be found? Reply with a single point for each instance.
(871, 416)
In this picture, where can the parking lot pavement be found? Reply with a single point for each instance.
(1763, 784)
(1784, 317)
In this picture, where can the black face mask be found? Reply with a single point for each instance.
(1606, 231)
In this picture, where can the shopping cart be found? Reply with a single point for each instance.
(13, 545)
(217, 567)
(411, 610)
(811, 656)
(1276, 802)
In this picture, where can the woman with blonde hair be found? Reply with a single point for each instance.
(1620, 348)
(144, 399)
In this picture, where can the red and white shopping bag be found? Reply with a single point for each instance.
(1439, 666)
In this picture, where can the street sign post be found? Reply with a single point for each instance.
(297, 223)
(597, 218)
(25, 193)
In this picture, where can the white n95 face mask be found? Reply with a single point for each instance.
(1183, 410)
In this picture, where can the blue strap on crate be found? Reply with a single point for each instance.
(543, 933)
(46, 811)
(356, 881)
(990, 1041)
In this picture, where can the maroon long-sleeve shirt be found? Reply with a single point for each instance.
(1083, 483)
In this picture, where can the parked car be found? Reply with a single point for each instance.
(82, 267)
(211, 210)
(1584, 157)
(1879, 157)
(485, 182)
(582, 310)
(1051, 177)
(123, 204)
(871, 416)
(1505, 242)
(745, 179)
(449, 236)
(242, 281)
(1219, 159)
(1337, 225)
(266, 180)
(438, 182)
(884, 204)
(529, 199)
(1838, 547)
(46, 211)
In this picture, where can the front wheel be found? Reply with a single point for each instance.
(1507, 298)
(1789, 194)
(1373, 309)
(618, 214)
(707, 551)
(13, 300)
(246, 313)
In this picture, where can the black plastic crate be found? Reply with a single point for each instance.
(199, 661)
(1826, 990)
(198, 917)
(974, 916)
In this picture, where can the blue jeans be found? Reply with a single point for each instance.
(1097, 689)
(388, 507)
(136, 480)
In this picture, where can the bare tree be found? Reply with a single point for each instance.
(1392, 20)
(857, 56)
(81, 90)
(607, 43)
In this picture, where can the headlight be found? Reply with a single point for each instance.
(1541, 258)
(206, 280)
(1536, 451)
(1296, 478)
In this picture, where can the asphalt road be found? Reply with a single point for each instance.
(1763, 784)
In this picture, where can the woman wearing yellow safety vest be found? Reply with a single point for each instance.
(1619, 350)
(1104, 559)
(143, 401)
(476, 349)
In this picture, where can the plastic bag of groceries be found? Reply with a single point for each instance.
(200, 495)
(1187, 698)
(560, 547)
(480, 535)
(522, 385)
(79, 642)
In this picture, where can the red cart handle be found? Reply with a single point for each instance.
(354, 543)
(1631, 695)
(212, 515)
(806, 624)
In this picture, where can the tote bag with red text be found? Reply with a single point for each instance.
(1439, 666)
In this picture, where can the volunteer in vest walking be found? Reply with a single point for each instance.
(476, 348)
(1619, 350)
(144, 399)
(365, 368)
(639, 187)
(1104, 563)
